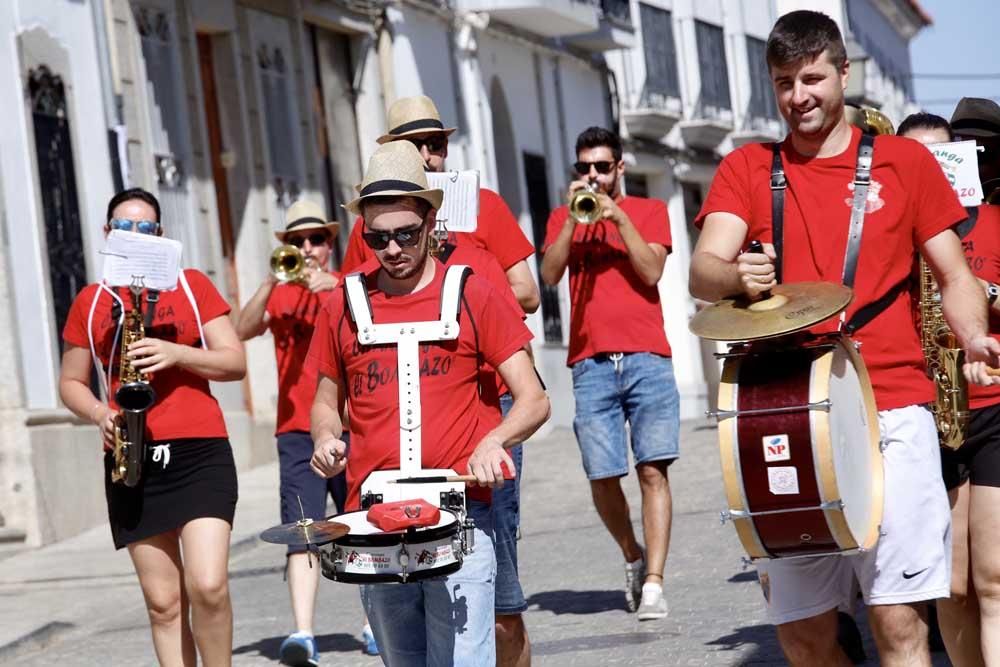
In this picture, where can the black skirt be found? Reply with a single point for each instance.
(181, 480)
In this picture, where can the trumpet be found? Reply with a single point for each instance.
(584, 206)
(288, 264)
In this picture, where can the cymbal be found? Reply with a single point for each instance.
(790, 307)
(305, 531)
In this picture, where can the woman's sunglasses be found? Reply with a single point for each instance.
(602, 167)
(314, 240)
(404, 238)
(141, 226)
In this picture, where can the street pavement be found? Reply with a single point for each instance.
(78, 602)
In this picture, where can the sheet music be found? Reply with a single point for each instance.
(960, 162)
(128, 254)
(460, 209)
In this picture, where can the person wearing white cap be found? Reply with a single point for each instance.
(419, 623)
(288, 311)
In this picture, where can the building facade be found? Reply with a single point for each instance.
(228, 110)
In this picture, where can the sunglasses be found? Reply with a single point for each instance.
(404, 238)
(141, 226)
(434, 143)
(602, 167)
(314, 240)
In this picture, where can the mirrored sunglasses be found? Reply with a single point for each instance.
(141, 226)
(404, 238)
(314, 240)
(602, 167)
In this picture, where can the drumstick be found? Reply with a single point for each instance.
(434, 479)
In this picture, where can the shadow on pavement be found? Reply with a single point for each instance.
(339, 642)
(578, 602)
(762, 636)
(743, 577)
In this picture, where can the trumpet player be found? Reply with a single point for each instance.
(970, 618)
(287, 303)
(176, 521)
(618, 350)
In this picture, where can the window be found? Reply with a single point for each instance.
(661, 59)
(712, 66)
(617, 10)
(762, 104)
(536, 177)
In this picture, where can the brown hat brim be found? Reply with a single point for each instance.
(333, 227)
(388, 136)
(434, 197)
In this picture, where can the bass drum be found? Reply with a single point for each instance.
(799, 443)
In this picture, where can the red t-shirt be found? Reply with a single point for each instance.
(909, 201)
(293, 310)
(497, 231)
(185, 407)
(982, 250)
(448, 376)
(486, 266)
(611, 309)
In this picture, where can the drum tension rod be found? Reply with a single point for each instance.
(726, 414)
(769, 351)
(742, 514)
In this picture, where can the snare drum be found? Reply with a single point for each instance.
(799, 442)
(366, 555)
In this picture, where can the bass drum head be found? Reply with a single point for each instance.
(854, 437)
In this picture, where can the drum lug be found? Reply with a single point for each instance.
(404, 563)
(724, 517)
(468, 536)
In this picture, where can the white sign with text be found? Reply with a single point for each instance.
(153, 260)
(960, 163)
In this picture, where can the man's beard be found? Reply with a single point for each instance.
(409, 269)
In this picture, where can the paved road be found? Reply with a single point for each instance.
(571, 570)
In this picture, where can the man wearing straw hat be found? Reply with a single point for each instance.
(450, 620)
(289, 311)
(416, 120)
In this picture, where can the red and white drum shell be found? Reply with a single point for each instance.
(799, 445)
(367, 555)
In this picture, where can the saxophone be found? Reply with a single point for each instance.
(945, 358)
(134, 397)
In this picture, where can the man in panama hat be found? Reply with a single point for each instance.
(289, 311)
(416, 120)
(416, 623)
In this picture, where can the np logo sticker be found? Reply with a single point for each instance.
(776, 448)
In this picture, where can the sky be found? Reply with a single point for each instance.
(962, 40)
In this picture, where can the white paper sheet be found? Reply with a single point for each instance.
(154, 259)
(460, 209)
(960, 163)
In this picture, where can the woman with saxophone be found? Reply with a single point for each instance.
(170, 479)
(970, 618)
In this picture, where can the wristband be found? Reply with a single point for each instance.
(992, 292)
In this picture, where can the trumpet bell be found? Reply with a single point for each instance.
(584, 207)
(287, 264)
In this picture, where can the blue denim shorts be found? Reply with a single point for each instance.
(612, 390)
(299, 482)
(441, 621)
(506, 519)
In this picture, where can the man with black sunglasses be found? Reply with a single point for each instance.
(289, 312)
(416, 623)
(618, 350)
(416, 121)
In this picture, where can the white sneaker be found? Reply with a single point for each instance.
(635, 574)
(653, 605)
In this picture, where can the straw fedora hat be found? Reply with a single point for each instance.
(395, 169)
(413, 115)
(976, 117)
(304, 214)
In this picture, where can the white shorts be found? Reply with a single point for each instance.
(912, 559)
